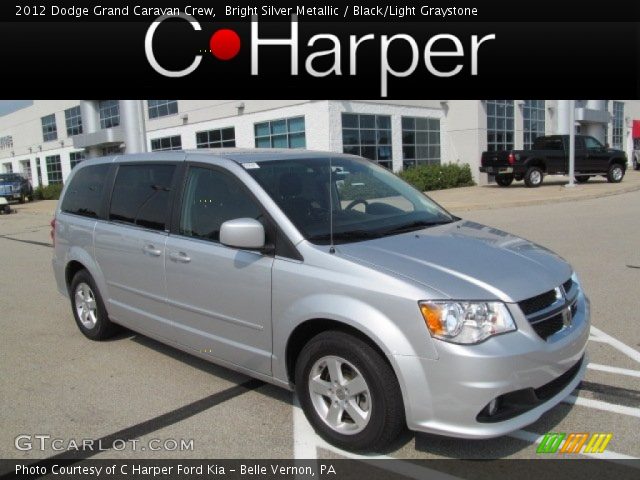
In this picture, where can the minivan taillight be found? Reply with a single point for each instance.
(511, 159)
(53, 231)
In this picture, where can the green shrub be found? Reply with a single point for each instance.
(438, 177)
(49, 192)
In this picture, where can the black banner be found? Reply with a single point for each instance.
(323, 469)
(286, 50)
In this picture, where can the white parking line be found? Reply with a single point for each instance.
(619, 371)
(605, 406)
(306, 443)
(615, 343)
(535, 438)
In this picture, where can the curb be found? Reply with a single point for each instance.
(545, 201)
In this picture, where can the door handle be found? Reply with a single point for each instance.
(152, 250)
(179, 257)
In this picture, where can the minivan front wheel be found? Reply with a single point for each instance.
(88, 308)
(348, 392)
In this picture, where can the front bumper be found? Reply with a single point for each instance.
(446, 396)
(11, 196)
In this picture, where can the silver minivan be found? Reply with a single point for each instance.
(327, 274)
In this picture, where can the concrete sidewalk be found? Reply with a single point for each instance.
(553, 190)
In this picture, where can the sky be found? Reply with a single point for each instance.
(8, 106)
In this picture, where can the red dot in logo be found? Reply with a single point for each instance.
(224, 44)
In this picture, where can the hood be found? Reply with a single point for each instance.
(464, 261)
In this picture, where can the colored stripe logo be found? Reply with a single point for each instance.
(574, 443)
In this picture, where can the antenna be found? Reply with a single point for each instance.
(332, 248)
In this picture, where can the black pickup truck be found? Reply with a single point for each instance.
(550, 156)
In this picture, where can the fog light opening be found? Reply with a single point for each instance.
(492, 408)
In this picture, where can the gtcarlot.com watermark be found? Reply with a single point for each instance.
(43, 442)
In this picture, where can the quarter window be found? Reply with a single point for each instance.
(49, 128)
(162, 108)
(285, 133)
(73, 119)
(84, 193)
(141, 195)
(420, 141)
(217, 138)
(499, 125)
(166, 143)
(54, 169)
(211, 198)
(368, 136)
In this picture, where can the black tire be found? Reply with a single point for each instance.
(103, 327)
(533, 178)
(615, 174)
(582, 178)
(504, 180)
(387, 418)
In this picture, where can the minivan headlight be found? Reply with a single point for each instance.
(466, 322)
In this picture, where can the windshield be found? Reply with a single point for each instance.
(367, 201)
(10, 177)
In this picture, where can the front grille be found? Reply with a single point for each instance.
(567, 285)
(537, 303)
(548, 327)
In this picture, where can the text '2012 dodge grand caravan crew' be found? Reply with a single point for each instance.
(328, 274)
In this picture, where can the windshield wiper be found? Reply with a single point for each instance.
(348, 235)
(417, 225)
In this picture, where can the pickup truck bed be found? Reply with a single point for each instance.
(549, 156)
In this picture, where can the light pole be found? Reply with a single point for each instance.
(572, 143)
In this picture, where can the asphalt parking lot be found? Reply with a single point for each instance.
(55, 382)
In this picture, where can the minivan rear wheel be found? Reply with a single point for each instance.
(348, 392)
(88, 308)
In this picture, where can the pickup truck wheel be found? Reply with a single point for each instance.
(582, 178)
(348, 392)
(88, 308)
(615, 173)
(533, 177)
(504, 180)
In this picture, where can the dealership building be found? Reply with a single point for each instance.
(47, 139)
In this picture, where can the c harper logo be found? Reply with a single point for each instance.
(225, 44)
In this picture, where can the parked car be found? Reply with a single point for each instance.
(326, 274)
(14, 186)
(550, 156)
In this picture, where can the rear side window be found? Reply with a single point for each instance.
(84, 193)
(141, 195)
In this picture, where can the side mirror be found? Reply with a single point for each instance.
(245, 233)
